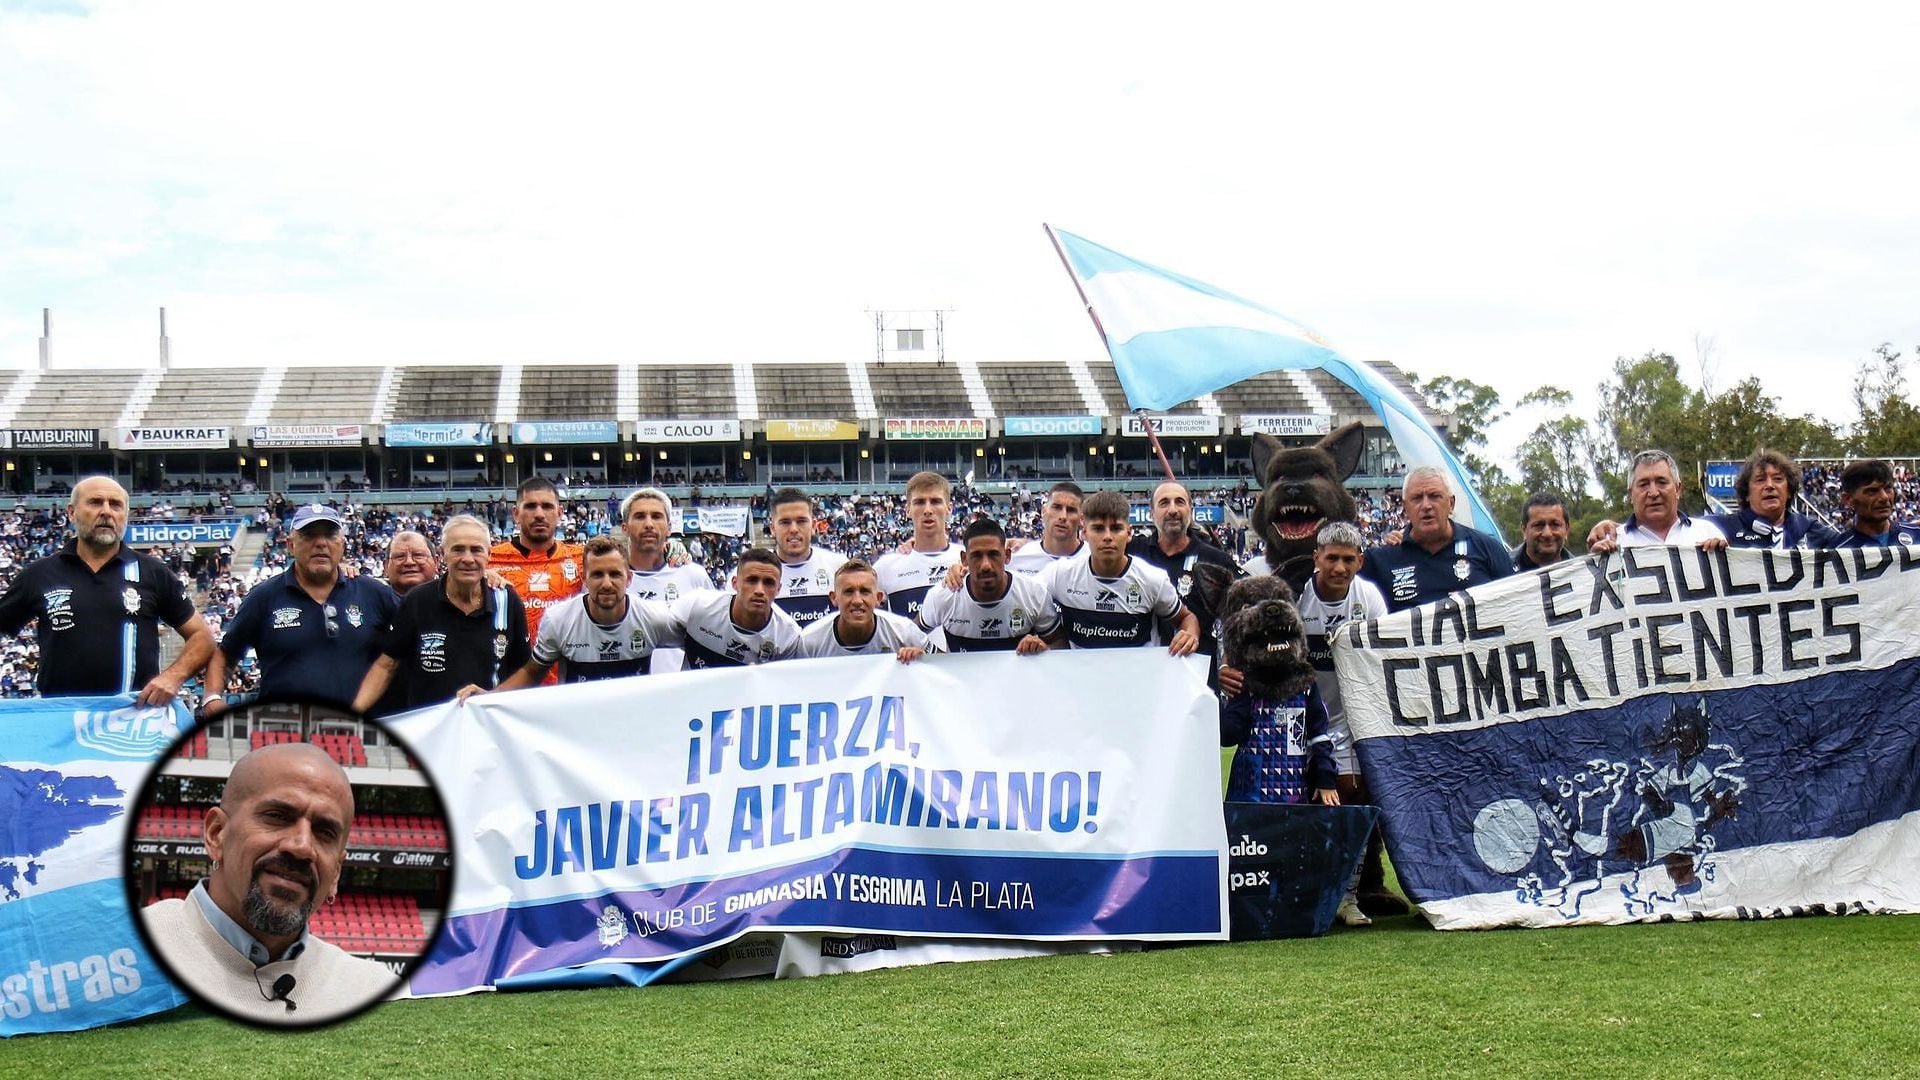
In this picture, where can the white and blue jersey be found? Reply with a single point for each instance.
(588, 650)
(665, 586)
(962, 624)
(805, 585)
(891, 633)
(906, 578)
(1034, 557)
(712, 639)
(1107, 613)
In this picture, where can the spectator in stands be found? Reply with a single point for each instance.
(1867, 490)
(99, 605)
(455, 632)
(239, 942)
(1767, 485)
(1655, 489)
(315, 630)
(1543, 529)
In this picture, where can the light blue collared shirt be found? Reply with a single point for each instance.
(236, 935)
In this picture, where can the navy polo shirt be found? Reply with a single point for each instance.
(1746, 529)
(1898, 532)
(440, 648)
(289, 632)
(1409, 575)
(99, 632)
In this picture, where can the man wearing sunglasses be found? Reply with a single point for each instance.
(314, 631)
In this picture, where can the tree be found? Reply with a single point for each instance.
(1474, 409)
(1644, 406)
(1560, 456)
(1888, 424)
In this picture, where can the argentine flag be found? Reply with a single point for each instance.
(1173, 339)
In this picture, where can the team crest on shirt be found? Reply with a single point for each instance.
(499, 646)
(672, 593)
(433, 652)
(130, 596)
(1017, 622)
(1461, 569)
(1133, 594)
(1185, 586)
(59, 604)
(638, 640)
(766, 651)
(286, 618)
(821, 581)
(570, 569)
(354, 618)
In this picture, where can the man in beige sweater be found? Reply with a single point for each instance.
(239, 941)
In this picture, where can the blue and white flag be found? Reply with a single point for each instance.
(70, 773)
(616, 830)
(1660, 734)
(1173, 339)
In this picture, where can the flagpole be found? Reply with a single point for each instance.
(1153, 436)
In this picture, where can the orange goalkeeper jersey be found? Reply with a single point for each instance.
(541, 580)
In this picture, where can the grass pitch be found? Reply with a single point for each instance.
(1802, 997)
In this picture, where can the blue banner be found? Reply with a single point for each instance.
(1720, 478)
(854, 795)
(566, 431)
(460, 434)
(1049, 426)
(70, 957)
(147, 533)
(1665, 733)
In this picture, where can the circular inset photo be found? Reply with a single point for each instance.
(289, 863)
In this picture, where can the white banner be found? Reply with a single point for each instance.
(1171, 427)
(663, 431)
(1284, 424)
(309, 434)
(723, 520)
(638, 820)
(172, 438)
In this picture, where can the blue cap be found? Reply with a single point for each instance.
(313, 512)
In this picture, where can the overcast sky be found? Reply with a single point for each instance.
(1516, 196)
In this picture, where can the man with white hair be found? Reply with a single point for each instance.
(453, 633)
(1654, 489)
(1438, 555)
(647, 517)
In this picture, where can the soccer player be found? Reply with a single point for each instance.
(1060, 538)
(730, 629)
(100, 605)
(1110, 599)
(1438, 555)
(604, 633)
(1867, 489)
(647, 517)
(315, 630)
(857, 626)
(993, 610)
(541, 570)
(806, 572)
(452, 633)
(906, 576)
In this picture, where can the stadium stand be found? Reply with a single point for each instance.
(335, 395)
(806, 391)
(694, 391)
(918, 390)
(447, 393)
(207, 395)
(569, 393)
(1032, 389)
(90, 398)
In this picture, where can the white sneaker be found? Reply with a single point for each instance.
(1350, 913)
